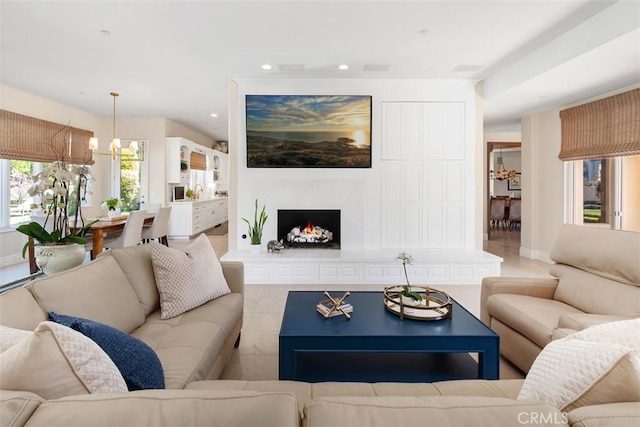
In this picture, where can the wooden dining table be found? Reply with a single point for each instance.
(96, 234)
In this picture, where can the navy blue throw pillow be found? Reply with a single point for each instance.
(137, 362)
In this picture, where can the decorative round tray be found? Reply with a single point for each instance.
(435, 304)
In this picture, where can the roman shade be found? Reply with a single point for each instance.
(608, 127)
(197, 161)
(27, 138)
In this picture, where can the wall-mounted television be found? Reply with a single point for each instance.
(308, 131)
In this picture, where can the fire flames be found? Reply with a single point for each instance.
(310, 230)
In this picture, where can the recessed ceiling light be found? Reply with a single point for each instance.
(214, 115)
(105, 33)
(266, 67)
(343, 67)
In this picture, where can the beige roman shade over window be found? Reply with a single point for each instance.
(28, 138)
(608, 127)
(197, 161)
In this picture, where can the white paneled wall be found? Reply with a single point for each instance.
(423, 175)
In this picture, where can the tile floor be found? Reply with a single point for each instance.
(257, 356)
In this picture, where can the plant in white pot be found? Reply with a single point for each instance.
(255, 229)
(112, 206)
(62, 189)
(408, 295)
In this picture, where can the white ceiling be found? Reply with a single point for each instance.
(174, 58)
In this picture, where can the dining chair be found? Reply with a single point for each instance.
(159, 229)
(497, 208)
(514, 212)
(151, 208)
(131, 234)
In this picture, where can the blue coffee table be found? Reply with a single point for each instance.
(376, 345)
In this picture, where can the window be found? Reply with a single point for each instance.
(610, 193)
(20, 203)
(130, 176)
(595, 180)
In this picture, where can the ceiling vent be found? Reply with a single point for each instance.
(291, 67)
(467, 67)
(377, 67)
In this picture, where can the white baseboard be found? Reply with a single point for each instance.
(537, 255)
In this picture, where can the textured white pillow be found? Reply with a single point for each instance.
(11, 336)
(188, 279)
(56, 361)
(597, 365)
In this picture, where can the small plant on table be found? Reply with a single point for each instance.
(406, 289)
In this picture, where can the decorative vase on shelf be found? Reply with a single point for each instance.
(255, 248)
(53, 259)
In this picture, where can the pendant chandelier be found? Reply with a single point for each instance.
(115, 144)
(502, 173)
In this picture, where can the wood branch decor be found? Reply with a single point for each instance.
(27, 138)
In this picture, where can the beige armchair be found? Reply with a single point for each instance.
(596, 279)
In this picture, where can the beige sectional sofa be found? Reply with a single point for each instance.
(119, 289)
(223, 403)
(596, 279)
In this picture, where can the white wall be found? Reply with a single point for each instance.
(176, 129)
(355, 191)
(542, 184)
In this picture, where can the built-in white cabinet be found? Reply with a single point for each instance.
(180, 151)
(219, 166)
(423, 175)
(189, 218)
(429, 267)
(178, 157)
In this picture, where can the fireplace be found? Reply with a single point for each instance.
(309, 228)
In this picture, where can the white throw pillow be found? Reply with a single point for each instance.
(597, 365)
(11, 336)
(55, 361)
(188, 279)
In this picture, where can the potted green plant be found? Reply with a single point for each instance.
(59, 241)
(255, 229)
(407, 294)
(190, 194)
(112, 206)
